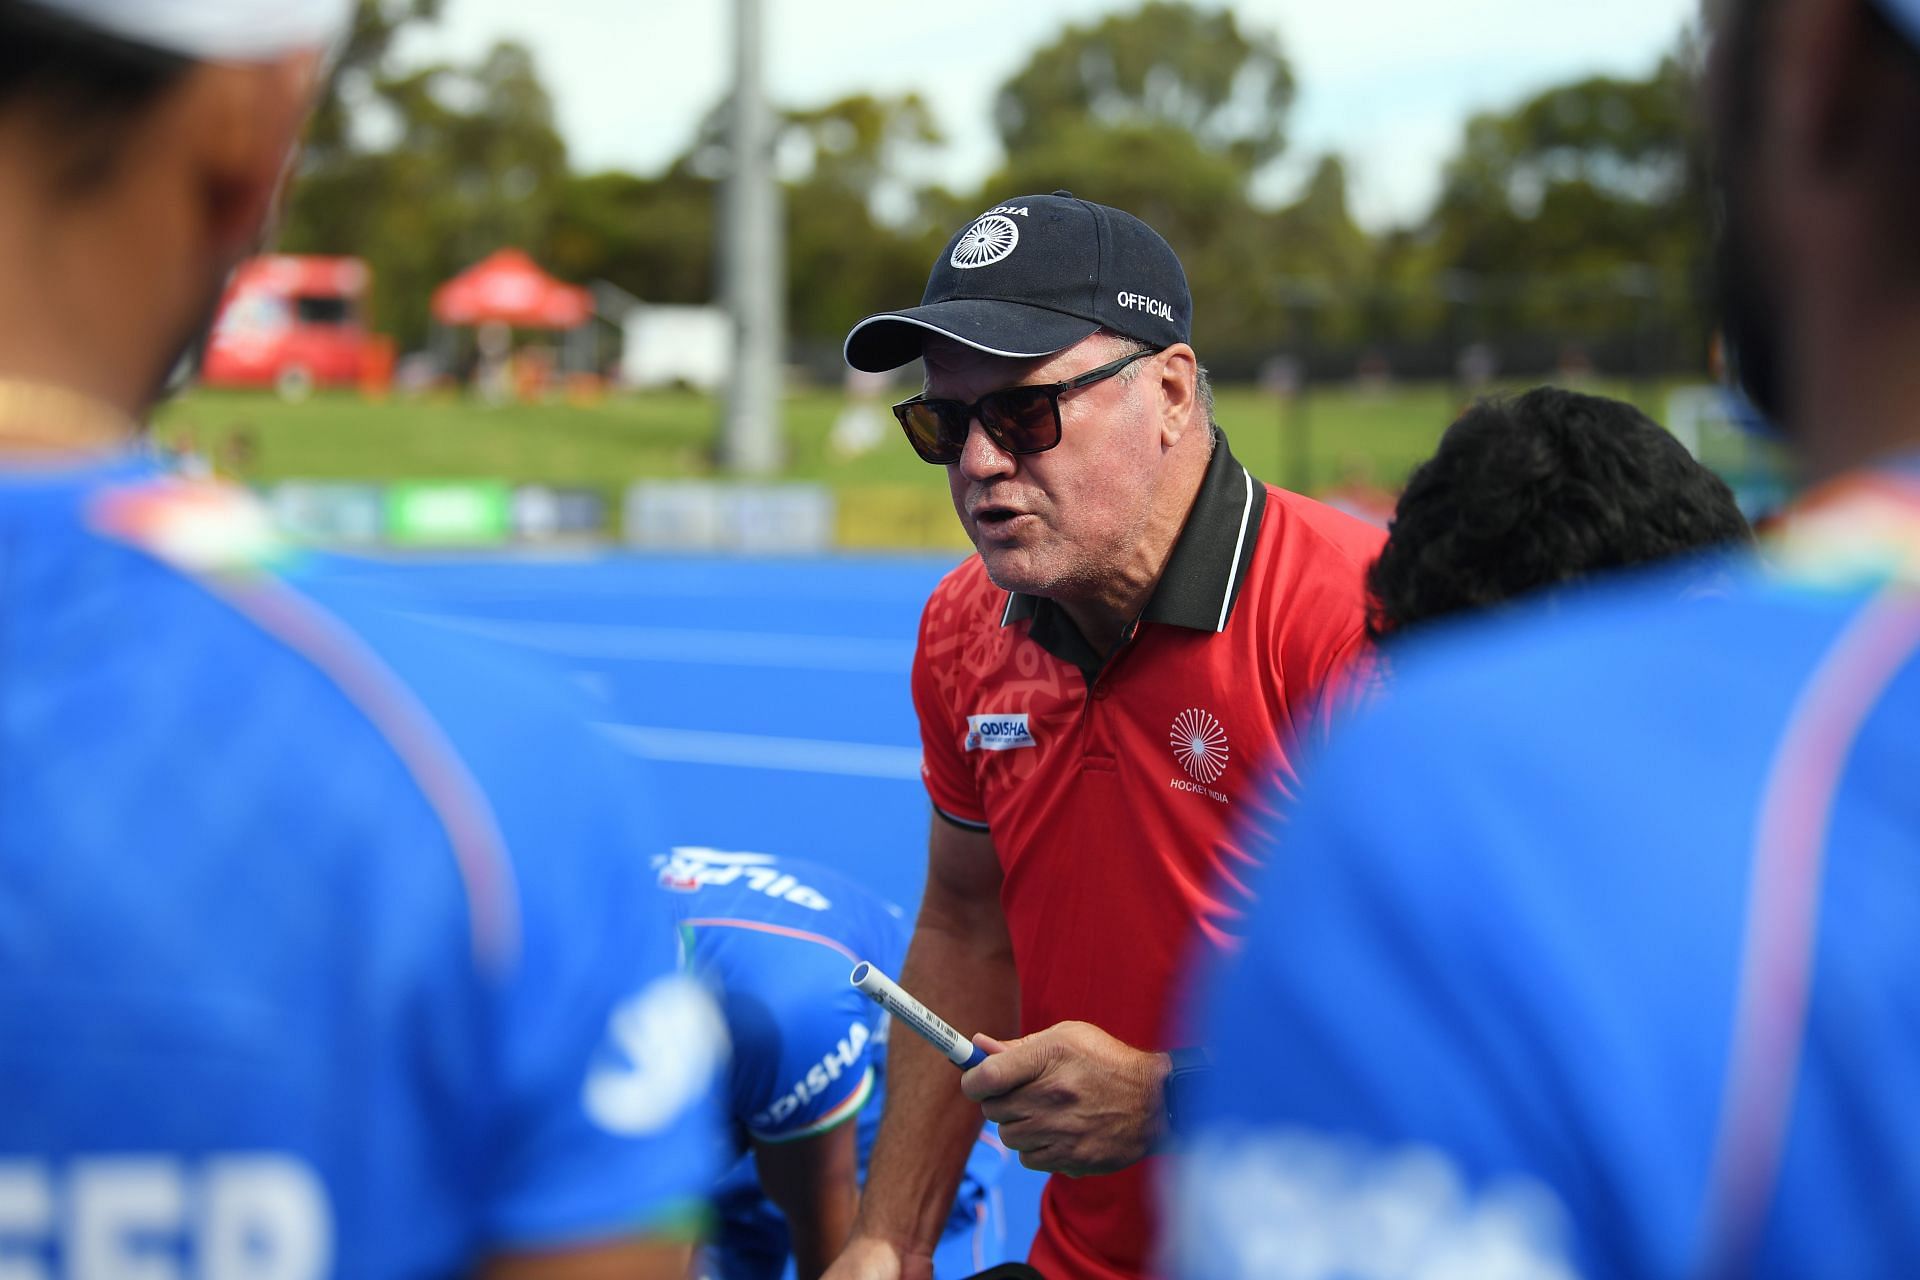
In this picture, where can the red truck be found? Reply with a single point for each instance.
(294, 322)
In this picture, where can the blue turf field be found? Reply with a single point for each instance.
(768, 697)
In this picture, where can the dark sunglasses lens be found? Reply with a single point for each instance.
(1022, 420)
(930, 432)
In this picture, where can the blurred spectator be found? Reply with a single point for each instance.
(1373, 376)
(240, 449)
(862, 423)
(1539, 489)
(417, 373)
(1575, 363)
(1359, 494)
(493, 362)
(326, 946)
(1478, 364)
(1283, 375)
(186, 458)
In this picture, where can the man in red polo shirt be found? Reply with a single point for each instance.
(1105, 693)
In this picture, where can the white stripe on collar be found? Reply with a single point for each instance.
(1233, 565)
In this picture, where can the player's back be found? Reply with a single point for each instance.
(1604, 921)
(272, 949)
(777, 939)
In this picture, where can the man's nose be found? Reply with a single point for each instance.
(980, 456)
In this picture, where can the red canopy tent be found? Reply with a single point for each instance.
(509, 288)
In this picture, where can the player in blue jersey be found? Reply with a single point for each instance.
(1594, 947)
(325, 945)
(776, 938)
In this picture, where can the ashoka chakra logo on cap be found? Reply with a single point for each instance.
(986, 242)
(1199, 744)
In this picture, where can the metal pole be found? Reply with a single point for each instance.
(1300, 469)
(750, 434)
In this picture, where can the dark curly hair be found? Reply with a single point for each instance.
(1536, 489)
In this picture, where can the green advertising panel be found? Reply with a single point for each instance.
(449, 513)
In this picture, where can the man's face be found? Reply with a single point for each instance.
(295, 83)
(1061, 523)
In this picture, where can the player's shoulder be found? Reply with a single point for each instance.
(1577, 672)
(962, 641)
(1315, 537)
(230, 662)
(965, 595)
(211, 593)
(496, 750)
(1309, 569)
(790, 906)
(1306, 584)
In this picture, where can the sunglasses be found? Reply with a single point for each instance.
(1016, 419)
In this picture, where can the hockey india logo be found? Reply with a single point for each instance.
(1199, 744)
(986, 242)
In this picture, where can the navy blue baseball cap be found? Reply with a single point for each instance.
(1033, 275)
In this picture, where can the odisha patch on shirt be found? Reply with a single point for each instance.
(998, 731)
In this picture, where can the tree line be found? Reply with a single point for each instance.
(1568, 223)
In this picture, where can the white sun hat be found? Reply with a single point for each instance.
(214, 30)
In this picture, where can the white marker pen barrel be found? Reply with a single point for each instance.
(886, 993)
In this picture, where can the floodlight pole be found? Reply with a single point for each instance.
(755, 270)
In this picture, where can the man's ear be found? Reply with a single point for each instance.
(1179, 393)
(248, 120)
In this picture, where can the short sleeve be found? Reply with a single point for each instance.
(950, 782)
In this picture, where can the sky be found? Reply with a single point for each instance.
(1386, 83)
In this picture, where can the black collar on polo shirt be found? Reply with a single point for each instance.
(1203, 576)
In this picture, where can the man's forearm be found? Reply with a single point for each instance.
(962, 969)
(814, 1182)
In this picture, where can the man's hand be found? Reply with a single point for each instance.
(1071, 1099)
(870, 1258)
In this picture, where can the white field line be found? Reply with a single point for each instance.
(778, 650)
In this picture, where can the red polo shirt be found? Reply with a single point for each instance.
(1114, 790)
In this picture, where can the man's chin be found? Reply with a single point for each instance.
(1011, 569)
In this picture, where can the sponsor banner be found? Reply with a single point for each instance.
(888, 518)
(448, 513)
(684, 515)
(539, 513)
(675, 515)
(328, 514)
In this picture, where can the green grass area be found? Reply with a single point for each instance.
(888, 496)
